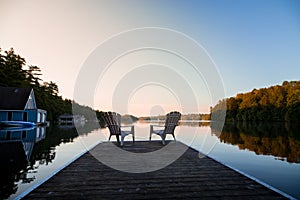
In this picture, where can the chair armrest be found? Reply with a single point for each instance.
(152, 127)
(131, 128)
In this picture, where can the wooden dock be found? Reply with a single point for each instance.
(188, 177)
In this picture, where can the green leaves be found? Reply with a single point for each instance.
(14, 74)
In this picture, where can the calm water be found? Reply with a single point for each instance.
(268, 152)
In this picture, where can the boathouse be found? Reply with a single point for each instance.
(69, 119)
(18, 104)
(66, 119)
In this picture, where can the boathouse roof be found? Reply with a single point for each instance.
(12, 98)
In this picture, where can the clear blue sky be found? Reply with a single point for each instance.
(254, 43)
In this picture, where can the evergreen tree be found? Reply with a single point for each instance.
(14, 74)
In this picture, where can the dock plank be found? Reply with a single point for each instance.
(190, 176)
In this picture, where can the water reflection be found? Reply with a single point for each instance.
(44, 151)
(16, 147)
(23, 151)
(278, 139)
(193, 123)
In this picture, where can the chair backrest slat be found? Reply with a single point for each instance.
(113, 121)
(171, 122)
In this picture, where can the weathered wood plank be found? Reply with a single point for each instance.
(187, 177)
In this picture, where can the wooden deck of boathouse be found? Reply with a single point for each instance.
(188, 177)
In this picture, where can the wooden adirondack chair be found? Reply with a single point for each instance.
(169, 127)
(113, 121)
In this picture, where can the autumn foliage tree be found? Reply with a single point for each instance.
(276, 103)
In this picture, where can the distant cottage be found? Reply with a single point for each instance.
(68, 119)
(18, 104)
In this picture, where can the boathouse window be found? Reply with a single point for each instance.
(8, 135)
(25, 116)
(23, 134)
(9, 116)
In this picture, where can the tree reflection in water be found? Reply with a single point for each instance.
(13, 162)
(281, 140)
(18, 164)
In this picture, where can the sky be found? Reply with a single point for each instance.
(252, 44)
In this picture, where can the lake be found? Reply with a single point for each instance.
(268, 152)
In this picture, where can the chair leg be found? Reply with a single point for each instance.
(133, 140)
(118, 139)
(163, 137)
(132, 132)
(122, 140)
(151, 131)
(109, 137)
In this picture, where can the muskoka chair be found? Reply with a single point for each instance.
(169, 127)
(113, 121)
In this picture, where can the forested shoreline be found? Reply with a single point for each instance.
(14, 72)
(275, 103)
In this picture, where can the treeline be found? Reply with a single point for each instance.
(276, 103)
(15, 73)
(128, 119)
(195, 117)
(191, 117)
